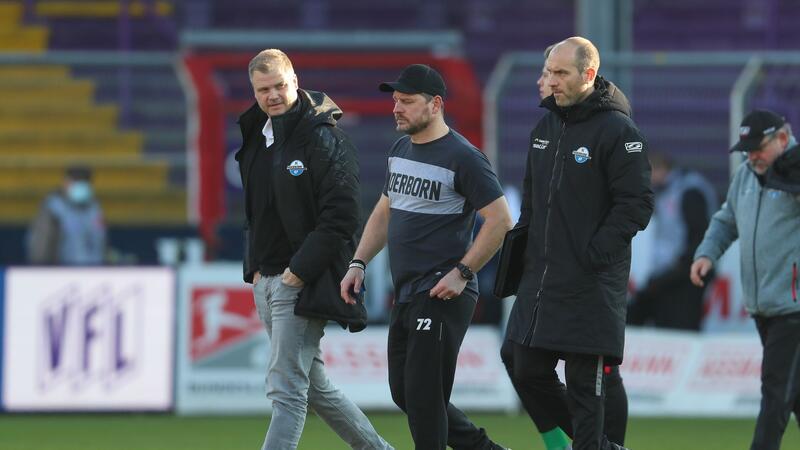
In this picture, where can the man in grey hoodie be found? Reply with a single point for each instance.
(766, 221)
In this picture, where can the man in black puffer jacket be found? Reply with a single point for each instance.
(586, 193)
(300, 178)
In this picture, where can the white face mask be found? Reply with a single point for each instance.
(79, 192)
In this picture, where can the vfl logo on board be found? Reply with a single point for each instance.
(540, 144)
(581, 155)
(89, 337)
(296, 168)
(633, 147)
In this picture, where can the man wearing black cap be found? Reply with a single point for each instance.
(435, 182)
(765, 220)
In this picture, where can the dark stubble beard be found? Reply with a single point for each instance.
(418, 127)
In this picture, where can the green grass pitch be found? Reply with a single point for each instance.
(167, 432)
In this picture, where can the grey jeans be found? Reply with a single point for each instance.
(296, 375)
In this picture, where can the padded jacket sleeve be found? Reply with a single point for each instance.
(334, 167)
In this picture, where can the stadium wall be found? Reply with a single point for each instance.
(101, 339)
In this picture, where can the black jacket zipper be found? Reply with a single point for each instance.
(532, 327)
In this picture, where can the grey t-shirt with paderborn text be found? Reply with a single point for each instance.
(434, 190)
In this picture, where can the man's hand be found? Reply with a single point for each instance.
(290, 279)
(699, 270)
(352, 281)
(449, 286)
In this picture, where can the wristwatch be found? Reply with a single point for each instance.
(466, 272)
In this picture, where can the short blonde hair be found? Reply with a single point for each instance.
(270, 60)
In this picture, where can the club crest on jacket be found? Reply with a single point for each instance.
(581, 155)
(296, 168)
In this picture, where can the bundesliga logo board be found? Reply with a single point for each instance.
(223, 349)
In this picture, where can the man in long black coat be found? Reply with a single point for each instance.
(586, 193)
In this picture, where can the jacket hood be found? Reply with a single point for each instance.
(784, 174)
(311, 109)
(606, 97)
(317, 108)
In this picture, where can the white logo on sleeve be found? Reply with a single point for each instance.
(633, 147)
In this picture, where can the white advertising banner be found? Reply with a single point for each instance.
(223, 352)
(93, 339)
(688, 374)
(357, 364)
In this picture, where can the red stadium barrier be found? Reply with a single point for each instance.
(208, 133)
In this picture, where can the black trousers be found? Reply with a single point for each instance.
(546, 417)
(581, 404)
(424, 338)
(780, 378)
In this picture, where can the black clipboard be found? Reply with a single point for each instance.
(511, 266)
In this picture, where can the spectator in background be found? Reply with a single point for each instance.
(684, 202)
(69, 228)
(556, 430)
(765, 220)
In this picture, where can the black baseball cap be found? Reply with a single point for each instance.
(417, 79)
(755, 126)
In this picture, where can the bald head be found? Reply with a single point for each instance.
(585, 54)
(571, 69)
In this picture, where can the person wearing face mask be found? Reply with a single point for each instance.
(685, 201)
(762, 210)
(69, 228)
(586, 193)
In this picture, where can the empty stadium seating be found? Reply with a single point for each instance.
(129, 121)
(55, 115)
